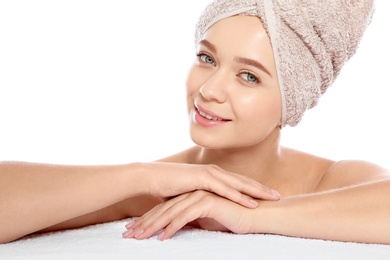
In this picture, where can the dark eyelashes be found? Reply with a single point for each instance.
(256, 78)
(202, 56)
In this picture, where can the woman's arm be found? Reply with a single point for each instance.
(356, 213)
(37, 196)
(351, 203)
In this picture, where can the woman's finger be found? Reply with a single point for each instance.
(152, 221)
(169, 179)
(237, 188)
(156, 220)
(185, 216)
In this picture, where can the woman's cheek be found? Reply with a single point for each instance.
(245, 105)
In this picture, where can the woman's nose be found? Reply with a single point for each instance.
(214, 89)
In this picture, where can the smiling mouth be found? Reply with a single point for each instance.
(209, 117)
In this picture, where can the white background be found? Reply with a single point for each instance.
(97, 82)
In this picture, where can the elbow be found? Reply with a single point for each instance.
(4, 239)
(9, 233)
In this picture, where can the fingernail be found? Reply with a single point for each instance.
(276, 193)
(254, 203)
(138, 233)
(130, 224)
(127, 233)
(161, 236)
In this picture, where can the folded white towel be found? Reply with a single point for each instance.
(104, 241)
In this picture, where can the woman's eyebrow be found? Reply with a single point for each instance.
(253, 63)
(209, 45)
(242, 60)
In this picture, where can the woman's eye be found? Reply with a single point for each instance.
(249, 77)
(206, 58)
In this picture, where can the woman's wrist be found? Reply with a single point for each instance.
(267, 217)
(137, 179)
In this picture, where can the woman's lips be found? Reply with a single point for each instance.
(208, 118)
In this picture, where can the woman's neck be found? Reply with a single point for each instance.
(258, 161)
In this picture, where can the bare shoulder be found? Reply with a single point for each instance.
(351, 172)
(187, 156)
(301, 172)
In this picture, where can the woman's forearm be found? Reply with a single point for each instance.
(359, 213)
(35, 196)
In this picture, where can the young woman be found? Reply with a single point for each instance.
(260, 65)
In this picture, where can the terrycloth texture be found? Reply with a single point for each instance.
(311, 40)
(105, 242)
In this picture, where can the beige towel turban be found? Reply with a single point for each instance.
(311, 40)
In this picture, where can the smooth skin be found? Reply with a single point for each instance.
(321, 198)
(42, 197)
(237, 158)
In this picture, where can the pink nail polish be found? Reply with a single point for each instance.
(254, 203)
(138, 233)
(127, 233)
(161, 236)
(275, 193)
(129, 225)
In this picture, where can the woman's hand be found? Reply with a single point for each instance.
(209, 211)
(166, 180)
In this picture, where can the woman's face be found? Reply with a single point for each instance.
(233, 94)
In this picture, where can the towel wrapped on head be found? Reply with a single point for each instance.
(311, 41)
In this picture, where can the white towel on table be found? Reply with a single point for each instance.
(104, 241)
